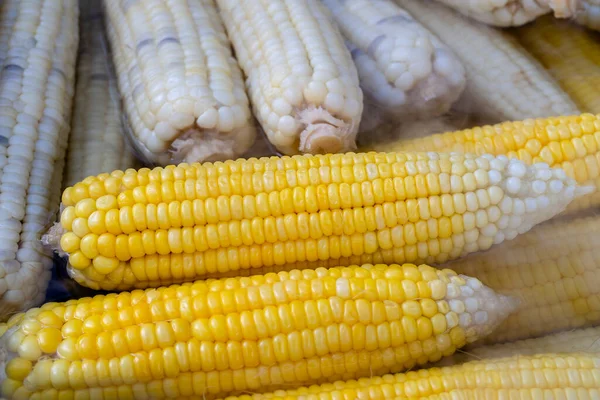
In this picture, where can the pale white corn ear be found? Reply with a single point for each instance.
(507, 13)
(97, 143)
(300, 75)
(182, 89)
(403, 68)
(38, 49)
(504, 82)
(589, 15)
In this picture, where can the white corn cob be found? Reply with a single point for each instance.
(97, 142)
(300, 75)
(513, 12)
(504, 82)
(403, 68)
(183, 92)
(590, 14)
(37, 75)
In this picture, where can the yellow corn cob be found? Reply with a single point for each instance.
(97, 142)
(403, 68)
(589, 16)
(504, 82)
(575, 341)
(178, 224)
(571, 143)
(568, 52)
(553, 269)
(300, 76)
(547, 376)
(220, 336)
(183, 92)
(38, 47)
(513, 12)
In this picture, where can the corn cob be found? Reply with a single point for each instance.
(246, 333)
(300, 76)
(589, 16)
(507, 13)
(97, 142)
(574, 341)
(188, 222)
(403, 68)
(510, 85)
(567, 52)
(553, 269)
(182, 90)
(38, 50)
(571, 143)
(547, 376)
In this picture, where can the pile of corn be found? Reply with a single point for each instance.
(421, 223)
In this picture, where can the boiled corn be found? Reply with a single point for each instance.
(38, 48)
(220, 336)
(570, 54)
(97, 142)
(553, 269)
(182, 90)
(547, 376)
(403, 68)
(571, 143)
(300, 76)
(514, 12)
(509, 84)
(151, 228)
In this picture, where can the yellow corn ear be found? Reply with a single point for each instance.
(245, 334)
(149, 228)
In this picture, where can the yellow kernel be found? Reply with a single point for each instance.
(105, 265)
(69, 242)
(49, 339)
(79, 261)
(67, 217)
(89, 245)
(107, 202)
(72, 328)
(85, 208)
(30, 349)
(80, 227)
(18, 369)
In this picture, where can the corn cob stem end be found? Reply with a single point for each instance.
(202, 146)
(324, 133)
(51, 238)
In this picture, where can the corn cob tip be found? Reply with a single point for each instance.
(324, 133)
(485, 309)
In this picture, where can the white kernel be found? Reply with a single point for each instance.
(471, 236)
(494, 176)
(465, 320)
(513, 185)
(288, 126)
(315, 93)
(481, 317)
(471, 304)
(282, 107)
(489, 230)
(538, 187)
(451, 320)
(556, 186)
(474, 283)
(499, 238)
(543, 202)
(352, 107)
(226, 119)
(515, 222)
(457, 306)
(452, 291)
(224, 97)
(503, 222)
(506, 205)
(530, 205)
(541, 166)
(559, 174)
(517, 169)
(518, 207)
(334, 102)
(165, 131)
(497, 164)
(208, 119)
